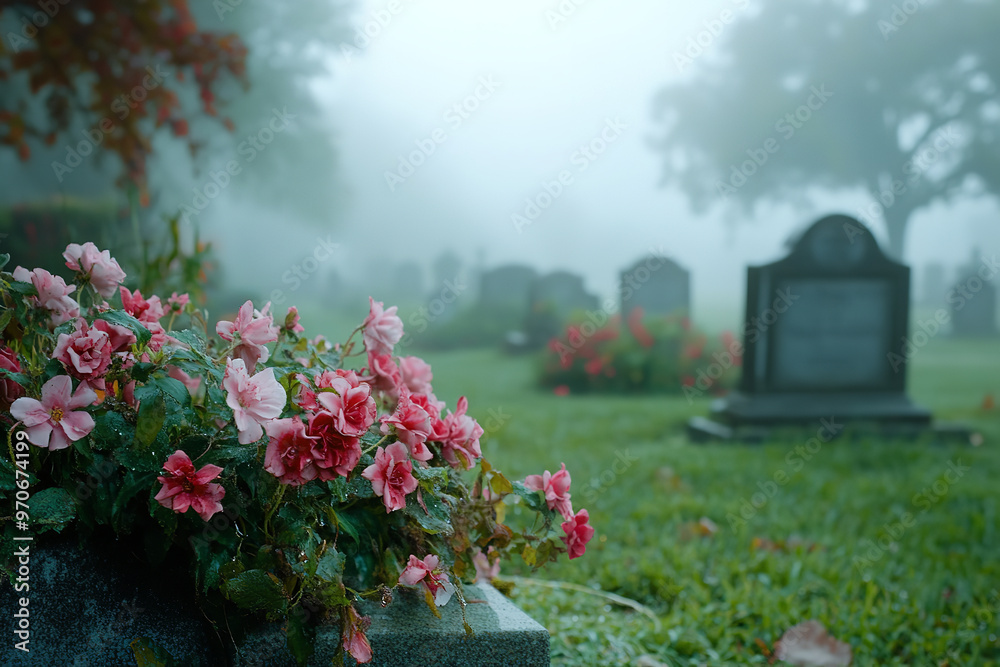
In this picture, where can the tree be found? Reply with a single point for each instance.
(110, 71)
(897, 98)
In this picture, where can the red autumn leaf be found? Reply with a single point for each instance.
(808, 645)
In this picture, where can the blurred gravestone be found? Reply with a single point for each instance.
(506, 288)
(973, 301)
(825, 339)
(935, 285)
(451, 283)
(657, 285)
(553, 299)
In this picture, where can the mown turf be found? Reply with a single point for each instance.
(929, 595)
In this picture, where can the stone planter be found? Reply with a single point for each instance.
(88, 605)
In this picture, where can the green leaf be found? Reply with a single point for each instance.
(437, 518)
(123, 319)
(500, 484)
(533, 499)
(53, 508)
(175, 389)
(152, 413)
(149, 654)
(24, 289)
(256, 590)
(190, 338)
(301, 637)
(4, 259)
(19, 378)
(110, 431)
(135, 483)
(6, 317)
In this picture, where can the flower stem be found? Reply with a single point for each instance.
(274, 507)
(375, 446)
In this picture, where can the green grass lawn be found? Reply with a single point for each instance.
(929, 595)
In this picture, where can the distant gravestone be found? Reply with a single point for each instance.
(973, 301)
(935, 285)
(563, 293)
(657, 285)
(824, 339)
(507, 287)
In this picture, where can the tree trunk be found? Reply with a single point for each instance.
(896, 218)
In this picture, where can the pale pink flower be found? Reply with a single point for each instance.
(254, 400)
(353, 639)
(383, 375)
(53, 294)
(460, 444)
(192, 384)
(412, 425)
(578, 533)
(556, 490)
(121, 339)
(354, 408)
(183, 487)
(292, 321)
(289, 451)
(86, 353)
(383, 328)
(145, 310)
(178, 301)
(391, 476)
(428, 573)
(485, 572)
(96, 266)
(56, 420)
(416, 374)
(250, 333)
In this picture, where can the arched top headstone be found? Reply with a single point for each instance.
(837, 243)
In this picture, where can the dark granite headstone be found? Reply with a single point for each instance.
(825, 336)
(657, 285)
(563, 293)
(88, 605)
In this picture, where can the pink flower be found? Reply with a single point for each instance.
(412, 424)
(383, 328)
(184, 488)
(254, 400)
(354, 640)
(339, 380)
(391, 476)
(250, 333)
(428, 573)
(292, 321)
(561, 390)
(333, 452)
(178, 301)
(416, 374)
(121, 339)
(53, 294)
(383, 375)
(354, 408)
(433, 407)
(460, 445)
(191, 383)
(145, 310)
(578, 533)
(86, 353)
(10, 391)
(55, 421)
(556, 490)
(289, 451)
(98, 267)
(484, 571)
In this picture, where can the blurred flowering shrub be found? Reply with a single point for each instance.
(309, 484)
(641, 354)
